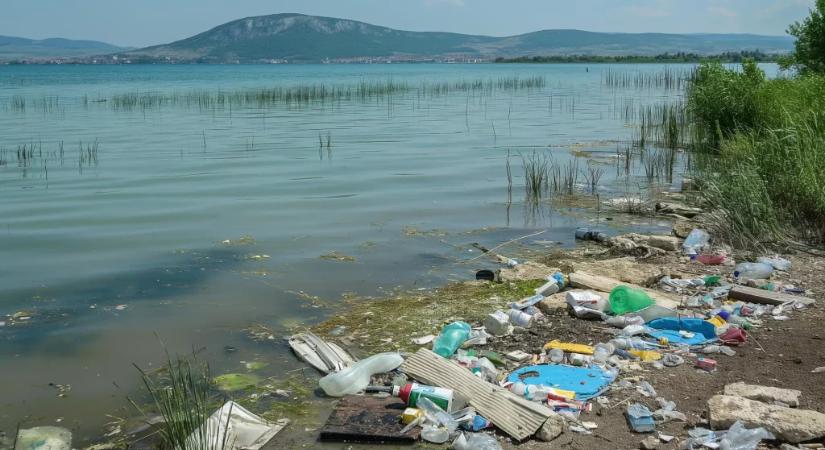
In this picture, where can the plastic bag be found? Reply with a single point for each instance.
(740, 438)
(476, 442)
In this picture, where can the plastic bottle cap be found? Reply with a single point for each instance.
(396, 390)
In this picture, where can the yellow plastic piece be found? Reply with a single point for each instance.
(716, 321)
(570, 395)
(569, 347)
(410, 415)
(647, 355)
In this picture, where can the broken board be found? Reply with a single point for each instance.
(516, 416)
(368, 419)
(761, 296)
(584, 280)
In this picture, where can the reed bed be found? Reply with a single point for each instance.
(669, 78)
(311, 94)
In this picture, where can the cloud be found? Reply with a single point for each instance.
(720, 11)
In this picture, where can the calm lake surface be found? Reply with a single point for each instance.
(129, 220)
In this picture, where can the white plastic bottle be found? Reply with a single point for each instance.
(356, 378)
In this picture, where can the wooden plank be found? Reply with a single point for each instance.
(514, 415)
(368, 419)
(584, 280)
(761, 296)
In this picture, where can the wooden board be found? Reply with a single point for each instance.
(514, 415)
(368, 419)
(584, 280)
(761, 296)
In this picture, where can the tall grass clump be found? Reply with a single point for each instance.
(182, 398)
(760, 152)
(537, 167)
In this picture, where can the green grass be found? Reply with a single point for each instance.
(759, 148)
(182, 397)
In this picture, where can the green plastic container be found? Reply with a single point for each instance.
(624, 299)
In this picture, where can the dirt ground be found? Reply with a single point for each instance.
(779, 353)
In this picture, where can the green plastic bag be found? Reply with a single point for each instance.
(624, 299)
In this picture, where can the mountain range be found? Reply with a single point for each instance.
(302, 38)
(12, 48)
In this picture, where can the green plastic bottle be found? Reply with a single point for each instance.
(451, 338)
(624, 299)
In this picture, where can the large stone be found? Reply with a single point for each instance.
(552, 428)
(787, 424)
(528, 270)
(667, 243)
(766, 394)
(553, 303)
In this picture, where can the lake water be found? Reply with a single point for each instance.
(127, 223)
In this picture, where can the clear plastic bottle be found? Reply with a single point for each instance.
(632, 343)
(355, 378)
(624, 321)
(696, 241)
(753, 271)
(451, 338)
(556, 355)
(601, 352)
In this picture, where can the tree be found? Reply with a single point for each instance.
(809, 52)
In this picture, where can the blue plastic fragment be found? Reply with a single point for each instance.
(669, 328)
(585, 382)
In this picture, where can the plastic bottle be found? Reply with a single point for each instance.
(777, 263)
(527, 302)
(451, 338)
(355, 378)
(602, 351)
(436, 415)
(752, 271)
(695, 242)
(519, 318)
(633, 343)
(624, 321)
(556, 355)
(554, 284)
(624, 299)
(410, 393)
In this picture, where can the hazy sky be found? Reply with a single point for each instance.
(146, 22)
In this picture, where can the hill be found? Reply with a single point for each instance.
(17, 48)
(301, 38)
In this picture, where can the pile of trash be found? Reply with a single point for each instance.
(458, 393)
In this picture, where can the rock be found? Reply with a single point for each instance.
(667, 243)
(528, 270)
(677, 208)
(682, 229)
(626, 270)
(789, 425)
(552, 428)
(44, 438)
(766, 394)
(650, 443)
(553, 303)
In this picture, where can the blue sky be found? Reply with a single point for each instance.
(146, 22)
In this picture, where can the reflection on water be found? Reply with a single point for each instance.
(120, 185)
